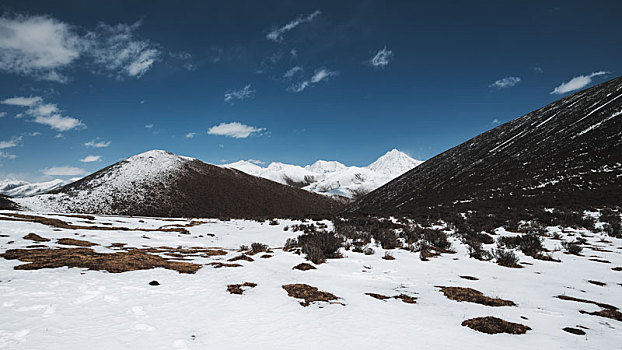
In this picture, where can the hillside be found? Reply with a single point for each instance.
(566, 154)
(158, 183)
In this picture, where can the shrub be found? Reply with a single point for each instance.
(477, 252)
(505, 257)
(531, 245)
(437, 239)
(320, 245)
(388, 256)
(290, 243)
(572, 247)
(258, 247)
(387, 238)
(273, 222)
(369, 251)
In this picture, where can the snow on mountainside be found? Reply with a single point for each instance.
(332, 177)
(19, 188)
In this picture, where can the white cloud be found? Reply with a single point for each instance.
(13, 142)
(495, 122)
(59, 136)
(22, 101)
(117, 49)
(191, 135)
(322, 74)
(97, 143)
(277, 34)
(37, 46)
(149, 126)
(576, 83)
(234, 129)
(90, 159)
(58, 122)
(2, 114)
(63, 171)
(505, 82)
(290, 73)
(255, 161)
(36, 133)
(7, 155)
(241, 94)
(298, 87)
(381, 58)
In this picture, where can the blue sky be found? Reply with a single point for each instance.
(85, 85)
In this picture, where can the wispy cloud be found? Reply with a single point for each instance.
(2, 114)
(235, 129)
(191, 135)
(44, 48)
(90, 159)
(576, 83)
(319, 75)
(277, 34)
(63, 171)
(293, 71)
(45, 113)
(149, 126)
(241, 94)
(255, 161)
(13, 142)
(97, 143)
(22, 101)
(7, 155)
(495, 122)
(381, 58)
(505, 82)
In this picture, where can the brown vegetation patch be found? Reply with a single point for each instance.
(308, 293)
(608, 313)
(545, 257)
(117, 245)
(494, 325)
(579, 300)
(266, 256)
(470, 278)
(405, 298)
(35, 237)
(473, 296)
(218, 265)
(598, 283)
(239, 288)
(618, 268)
(601, 260)
(77, 242)
(378, 296)
(575, 331)
(241, 257)
(87, 258)
(37, 246)
(304, 267)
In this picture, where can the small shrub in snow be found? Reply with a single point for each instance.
(505, 257)
(258, 247)
(572, 247)
(320, 245)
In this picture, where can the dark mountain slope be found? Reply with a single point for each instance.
(158, 183)
(565, 155)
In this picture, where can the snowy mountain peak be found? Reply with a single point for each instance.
(394, 163)
(323, 167)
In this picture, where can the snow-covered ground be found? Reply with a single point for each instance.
(75, 308)
(332, 177)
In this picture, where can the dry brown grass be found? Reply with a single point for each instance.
(601, 260)
(35, 237)
(240, 288)
(403, 297)
(494, 325)
(598, 283)
(76, 242)
(618, 268)
(308, 293)
(242, 257)
(575, 331)
(470, 278)
(473, 296)
(608, 313)
(218, 265)
(87, 258)
(579, 300)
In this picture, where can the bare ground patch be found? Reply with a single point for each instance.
(241, 257)
(575, 331)
(218, 265)
(585, 301)
(240, 288)
(403, 297)
(470, 278)
(494, 325)
(597, 283)
(473, 296)
(35, 237)
(87, 258)
(608, 313)
(308, 293)
(76, 242)
(304, 267)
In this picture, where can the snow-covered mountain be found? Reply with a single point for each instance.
(159, 183)
(332, 177)
(19, 188)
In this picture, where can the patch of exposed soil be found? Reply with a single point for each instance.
(76, 242)
(87, 258)
(242, 257)
(575, 331)
(218, 265)
(240, 288)
(403, 297)
(473, 296)
(35, 237)
(603, 305)
(601, 260)
(494, 325)
(608, 313)
(598, 283)
(618, 268)
(266, 256)
(304, 267)
(470, 278)
(308, 293)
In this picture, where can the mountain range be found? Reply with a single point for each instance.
(332, 177)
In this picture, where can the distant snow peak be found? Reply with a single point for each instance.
(333, 177)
